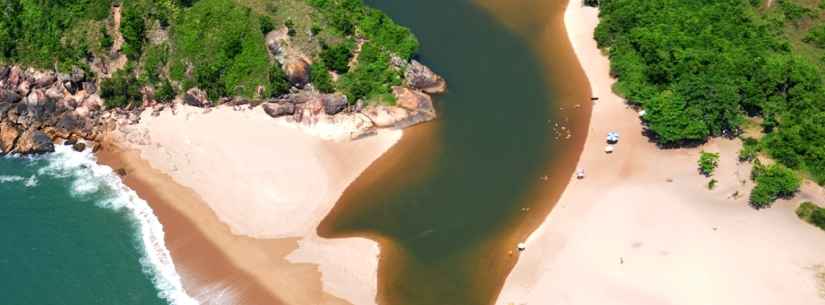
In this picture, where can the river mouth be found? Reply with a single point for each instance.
(452, 200)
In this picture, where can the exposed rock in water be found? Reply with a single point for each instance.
(34, 141)
(196, 97)
(79, 146)
(386, 116)
(334, 103)
(8, 137)
(420, 77)
(279, 109)
(415, 101)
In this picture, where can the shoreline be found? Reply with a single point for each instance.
(637, 232)
(270, 255)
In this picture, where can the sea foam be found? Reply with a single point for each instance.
(88, 177)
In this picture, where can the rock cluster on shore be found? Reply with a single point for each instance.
(39, 108)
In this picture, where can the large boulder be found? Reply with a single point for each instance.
(8, 137)
(196, 97)
(297, 71)
(279, 109)
(4, 107)
(43, 80)
(9, 96)
(34, 141)
(334, 103)
(420, 77)
(4, 72)
(90, 87)
(414, 101)
(386, 116)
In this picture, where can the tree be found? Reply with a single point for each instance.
(278, 82)
(772, 182)
(319, 77)
(337, 58)
(708, 162)
(165, 92)
(121, 90)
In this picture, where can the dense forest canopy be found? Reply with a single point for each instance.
(709, 67)
(215, 45)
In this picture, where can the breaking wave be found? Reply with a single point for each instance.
(90, 178)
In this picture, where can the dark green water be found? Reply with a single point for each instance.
(69, 234)
(447, 202)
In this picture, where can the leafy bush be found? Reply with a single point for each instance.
(708, 163)
(319, 77)
(222, 44)
(750, 148)
(266, 25)
(279, 84)
(811, 213)
(372, 78)
(165, 92)
(337, 58)
(816, 36)
(133, 28)
(772, 182)
(121, 90)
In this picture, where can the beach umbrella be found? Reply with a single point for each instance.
(613, 136)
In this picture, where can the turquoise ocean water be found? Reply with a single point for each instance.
(71, 233)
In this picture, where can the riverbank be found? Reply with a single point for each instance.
(240, 196)
(643, 228)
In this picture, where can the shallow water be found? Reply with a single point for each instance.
(450, 202)
(71, 233)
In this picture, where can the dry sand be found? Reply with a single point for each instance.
(643, 228)
(255, 190)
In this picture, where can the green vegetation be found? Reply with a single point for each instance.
(279, 84)
(811, 213)
(215, 45)
(121, 90)
(772, 182)
(700, 68)
(750, 148)
(708, 162)
(712, 184)
(319, 77)
(337, 58)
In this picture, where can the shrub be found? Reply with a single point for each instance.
(773, 182)
(811, 213)
(337, 58)
(372, 78)
(708, 163)
(266, 25)
(165, 92)
(133, 28)
(278, 82)
(121, 90)
(750, 148)
(712, 184)
(319, 77)
(816, 36)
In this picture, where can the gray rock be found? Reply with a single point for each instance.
(44, 80)
(420, 77)
(4, 72)
(196, 97)
(34, 141)
(79, 146)
(334, 103)
(90, 87)
(279, 109)
(9, 96)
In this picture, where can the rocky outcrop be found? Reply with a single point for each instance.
(8, 137)
(420, 77)
(38, 108)
(334, 103)
(297, 71)
(196, 97)
(34, 141)
(279, 109)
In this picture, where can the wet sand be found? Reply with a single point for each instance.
(643, 228)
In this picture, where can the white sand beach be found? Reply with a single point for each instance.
(267, 182)
(643, 228)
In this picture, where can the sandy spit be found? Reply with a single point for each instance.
(643, 228)
(241, 195)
